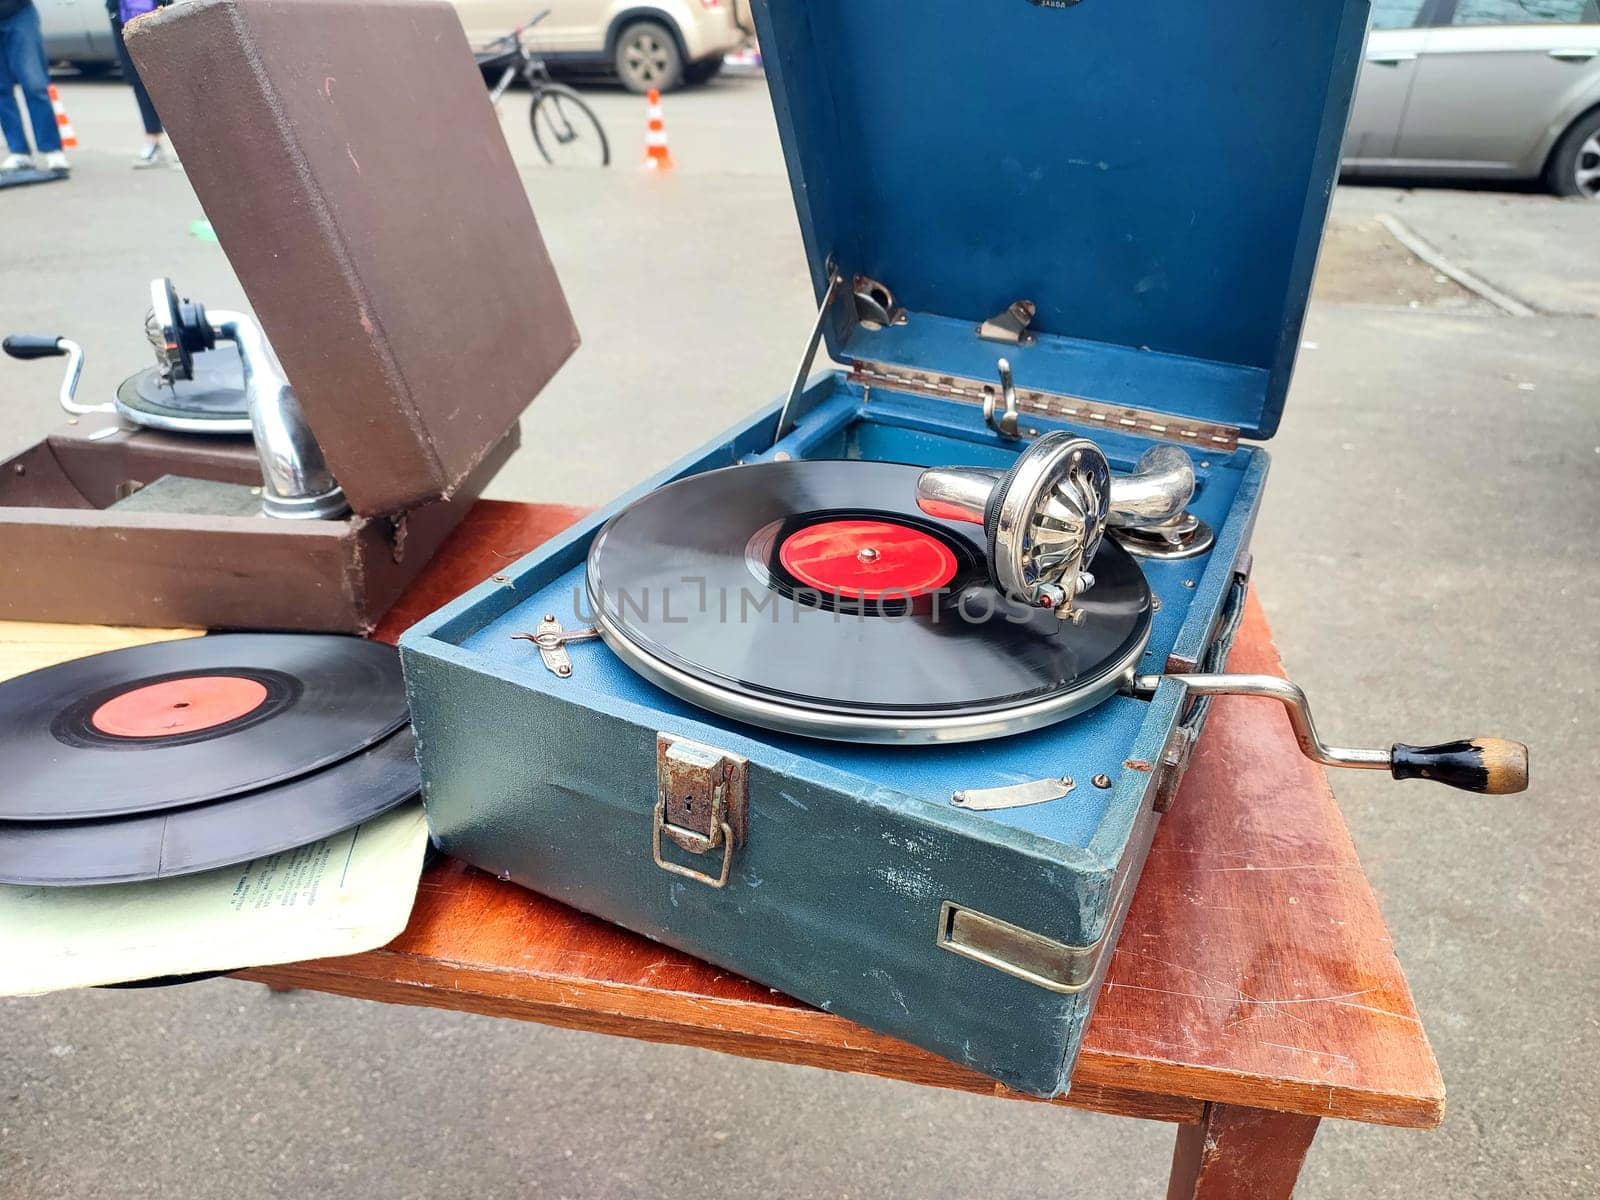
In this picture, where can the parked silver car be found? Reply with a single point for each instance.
(77, 32)
(1481, 88)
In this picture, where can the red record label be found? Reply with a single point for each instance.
(179, 706)
(868, 560)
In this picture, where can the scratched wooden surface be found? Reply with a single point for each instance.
(1254, 968)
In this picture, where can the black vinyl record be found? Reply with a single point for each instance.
(221, 833)
(162, 981)
(178, 723)
(213, 400)
(820, 584)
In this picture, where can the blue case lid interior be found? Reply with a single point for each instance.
(1153, 175)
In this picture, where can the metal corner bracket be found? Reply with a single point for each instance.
(1022, 953)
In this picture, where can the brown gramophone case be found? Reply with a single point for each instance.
(359, 183)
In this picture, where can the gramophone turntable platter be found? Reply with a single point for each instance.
(211, 402)
(816, 598)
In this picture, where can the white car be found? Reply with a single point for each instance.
(661, 44)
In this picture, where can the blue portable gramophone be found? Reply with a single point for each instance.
(877, 698)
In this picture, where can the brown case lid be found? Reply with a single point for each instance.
(355, 173)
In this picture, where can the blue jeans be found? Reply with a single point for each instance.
(22, 64)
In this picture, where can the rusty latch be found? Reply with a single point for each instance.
(702, 800)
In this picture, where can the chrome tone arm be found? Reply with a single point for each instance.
(957, 493)
(296, 482)
(1494, 766)
(1158, 490)
(1044, 518)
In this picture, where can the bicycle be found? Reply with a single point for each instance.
(564, 127)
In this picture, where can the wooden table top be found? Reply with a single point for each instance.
(1254, 968)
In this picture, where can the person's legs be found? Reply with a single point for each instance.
(10, 115)
(147, 110)
(25, 57)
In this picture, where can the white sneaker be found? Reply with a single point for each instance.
(16, 162)
(150, 154)
(56, 161)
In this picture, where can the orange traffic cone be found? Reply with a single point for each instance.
(657, 157)
(69, 139)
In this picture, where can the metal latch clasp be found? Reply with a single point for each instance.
(552, 642)
(702, 801)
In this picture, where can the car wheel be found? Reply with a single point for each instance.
(1575, 163)
(703, 71)
(647, 57)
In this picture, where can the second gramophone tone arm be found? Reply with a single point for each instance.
(296, 481)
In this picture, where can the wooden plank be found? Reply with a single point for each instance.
(1254, 969)
(777, 1031)
(1240, 1154)
(31, 645)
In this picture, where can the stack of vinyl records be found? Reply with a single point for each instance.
(179, 757)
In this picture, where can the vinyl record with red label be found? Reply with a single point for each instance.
(784, 593)
(180, 723)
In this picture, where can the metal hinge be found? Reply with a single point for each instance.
(1073, 408)
(702, 804)
(398, 529)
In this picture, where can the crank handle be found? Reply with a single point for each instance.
(28, 346)
(1494, 766)
(36, 345)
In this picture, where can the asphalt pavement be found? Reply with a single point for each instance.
(1423, 555)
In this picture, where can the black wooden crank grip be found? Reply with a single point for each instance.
(1494, 766)
(1491, 765)
(33, 345)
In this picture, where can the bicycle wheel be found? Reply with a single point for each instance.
(566, 130)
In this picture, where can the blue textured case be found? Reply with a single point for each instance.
(1154, 179)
